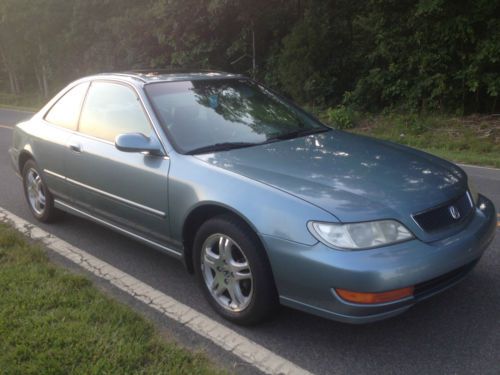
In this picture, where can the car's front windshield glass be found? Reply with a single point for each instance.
(217, 114)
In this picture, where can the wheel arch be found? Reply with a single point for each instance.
(199, 215)
(24, 156)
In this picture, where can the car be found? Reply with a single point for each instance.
(266, 205)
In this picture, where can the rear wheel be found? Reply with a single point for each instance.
(233, 271)
(40, 200)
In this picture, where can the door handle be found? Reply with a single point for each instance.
(76, 147)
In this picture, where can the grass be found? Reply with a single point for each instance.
(54, 322)
(471, 140)
(31, 102)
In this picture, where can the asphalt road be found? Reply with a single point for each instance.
(456, 332)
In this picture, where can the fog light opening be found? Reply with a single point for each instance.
(371, 298)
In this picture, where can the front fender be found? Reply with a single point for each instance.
(269, 211)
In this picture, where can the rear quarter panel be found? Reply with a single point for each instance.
(47, 146)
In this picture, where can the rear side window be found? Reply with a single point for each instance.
(67, 109)
(111, 109)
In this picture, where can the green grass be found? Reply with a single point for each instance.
(471, 140)
(54, 322)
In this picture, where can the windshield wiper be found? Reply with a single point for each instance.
(225, 146)
(296, 134)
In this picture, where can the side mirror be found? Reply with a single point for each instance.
(137, 142)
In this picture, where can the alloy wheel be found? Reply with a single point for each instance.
(226, 272)
(35, 190)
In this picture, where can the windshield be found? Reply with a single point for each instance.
(209, 115)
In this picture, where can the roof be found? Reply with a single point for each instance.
(148, 76)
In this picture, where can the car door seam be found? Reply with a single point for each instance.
(105, 193)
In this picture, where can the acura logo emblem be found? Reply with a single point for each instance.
(454, 212)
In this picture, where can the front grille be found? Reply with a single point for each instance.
(441, 217)
(441, 282)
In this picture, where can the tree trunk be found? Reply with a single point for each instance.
(44, 68)
(17, 86)
(254, 64)
(39, 80)
(13, 80)
(12, 84)
(45, 83)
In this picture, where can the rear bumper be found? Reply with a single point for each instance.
(306, 276)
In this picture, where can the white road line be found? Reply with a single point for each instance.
(477, 166)
(249, 351)
(6, 127)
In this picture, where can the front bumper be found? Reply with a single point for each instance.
(306, 276)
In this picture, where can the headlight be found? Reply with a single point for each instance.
(473, 192)
(356, 236)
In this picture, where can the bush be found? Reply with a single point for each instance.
(341, 117)
(411, 123)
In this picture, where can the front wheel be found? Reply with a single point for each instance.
(233, 271)
(40, 200)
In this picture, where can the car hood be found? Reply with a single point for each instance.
(353, 177)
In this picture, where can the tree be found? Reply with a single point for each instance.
(432, 55)
(423, 55)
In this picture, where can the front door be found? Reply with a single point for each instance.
(126, 189)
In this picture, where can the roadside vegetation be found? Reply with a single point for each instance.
(471, 139)
(27, 102)
(54, 322)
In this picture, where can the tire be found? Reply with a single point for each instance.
(247, 301)
(40, 200)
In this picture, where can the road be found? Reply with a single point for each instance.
(457, 332)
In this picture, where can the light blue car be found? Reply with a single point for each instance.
(265, 204)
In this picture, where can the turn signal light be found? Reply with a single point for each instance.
(392, 295)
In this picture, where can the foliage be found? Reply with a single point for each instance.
(416, 55)
(341, 117)
(318, 60)
(471, 139)
(432, 55)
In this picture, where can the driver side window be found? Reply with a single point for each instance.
(111, 109)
